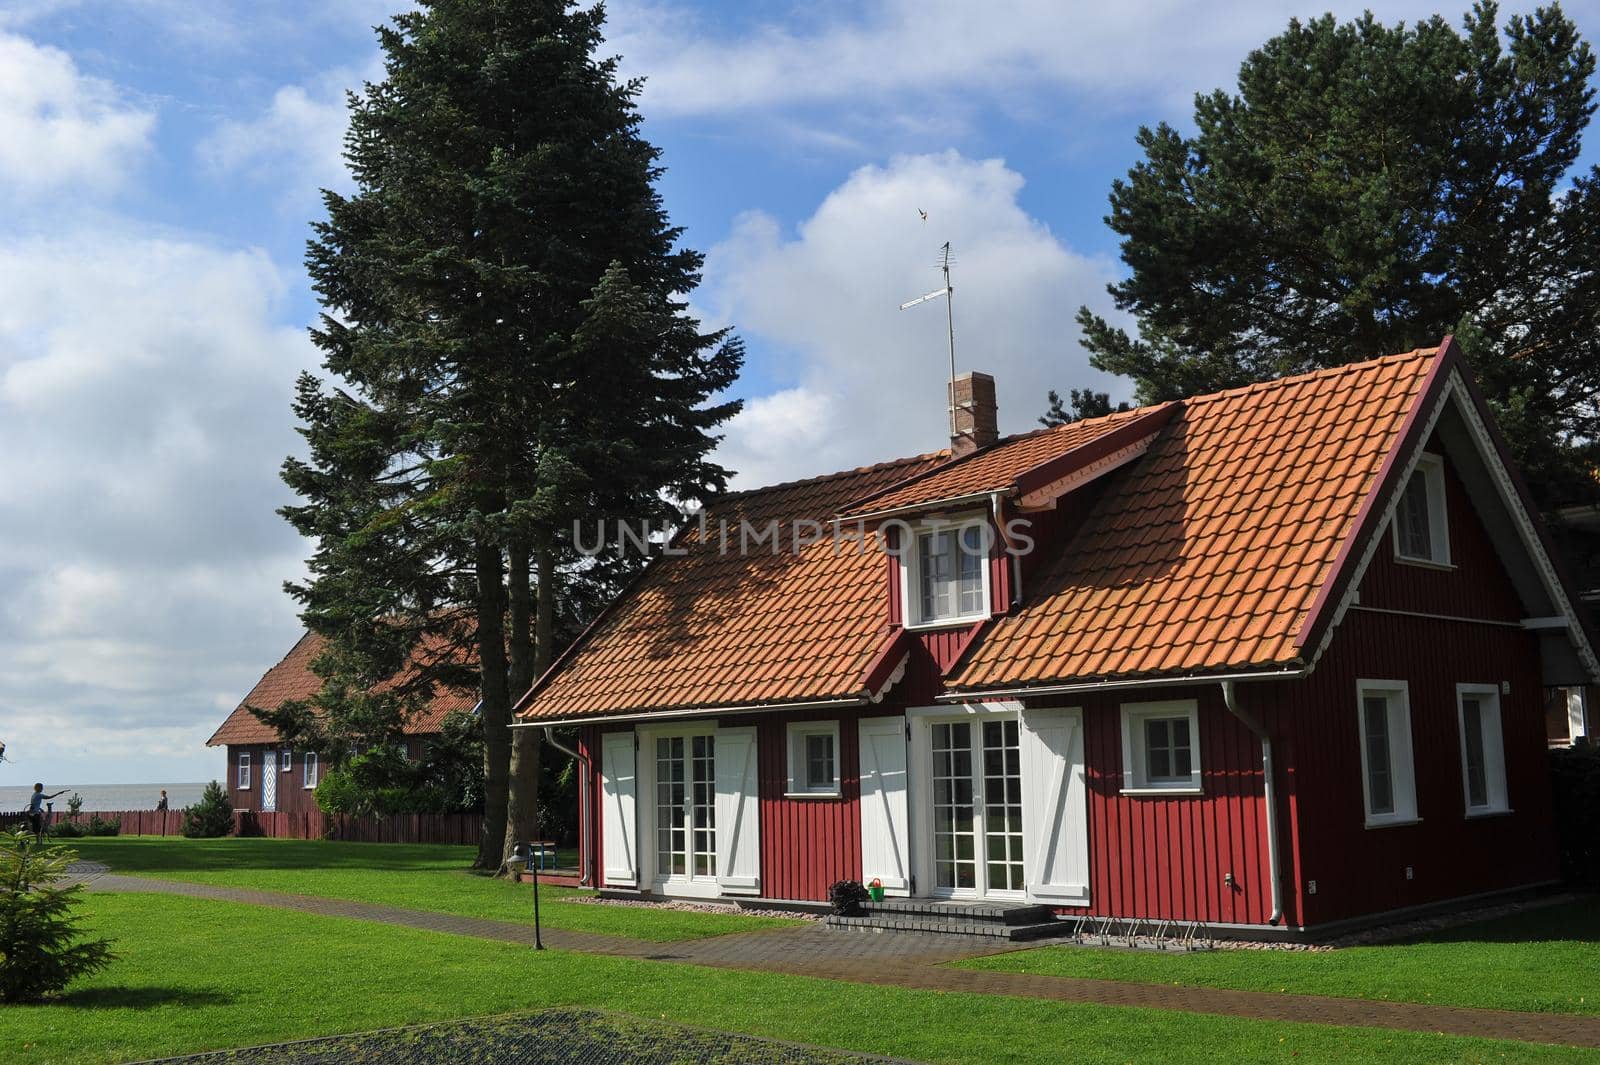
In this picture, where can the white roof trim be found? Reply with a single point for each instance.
(1455, 390)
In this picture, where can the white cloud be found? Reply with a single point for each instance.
(144, 410)
(867, 381)
(902, 53)
(60, 127)
(296, 142)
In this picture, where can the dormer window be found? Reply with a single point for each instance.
(1421, 529)
(947, 573)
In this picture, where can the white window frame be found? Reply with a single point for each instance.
(1494, 755)
(911, 571)
(242, 772)
(1135, 776)
(1402, 753)
(799, 733)
(1430, 468)
(285, 760)
(312, 771)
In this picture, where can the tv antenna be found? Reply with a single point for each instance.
(948, 292)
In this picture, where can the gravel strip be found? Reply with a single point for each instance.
(695, 907)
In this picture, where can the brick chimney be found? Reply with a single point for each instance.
(975, 419)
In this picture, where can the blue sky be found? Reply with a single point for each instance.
(159, 164)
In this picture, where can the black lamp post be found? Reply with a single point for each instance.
(522, 855)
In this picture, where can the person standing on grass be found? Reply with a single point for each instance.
(161, 805)
(36, 808)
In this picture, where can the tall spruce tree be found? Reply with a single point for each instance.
(505, 321)
(1369, 189)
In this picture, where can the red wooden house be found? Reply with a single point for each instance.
(1273, 656)
(264, 774)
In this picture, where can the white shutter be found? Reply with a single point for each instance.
(619, 816)
(1055, 819)
(738, 812)
(883, 803)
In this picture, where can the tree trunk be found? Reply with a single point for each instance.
(522, 802)
(495, 710)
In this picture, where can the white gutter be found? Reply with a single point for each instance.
(1269, 796)
(1114, 685)
(696, 711)
(585, 775)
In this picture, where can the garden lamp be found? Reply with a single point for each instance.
(522, 855)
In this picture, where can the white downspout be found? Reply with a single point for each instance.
(585, 771)
(1270, 796)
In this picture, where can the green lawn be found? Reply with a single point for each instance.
(1545, 960)
(198, 974)
(414, 876)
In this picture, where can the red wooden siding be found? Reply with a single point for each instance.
(1476, 588)
(1360, 870)
(1166, 857)
(806, 843)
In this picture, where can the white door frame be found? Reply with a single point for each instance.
(920, 795)
(650, 877)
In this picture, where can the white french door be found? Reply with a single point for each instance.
(975, 805)
(685, 810)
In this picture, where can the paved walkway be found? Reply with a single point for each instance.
(917, 961)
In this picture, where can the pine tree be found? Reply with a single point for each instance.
(1368, 190)
(42, 950)
(505, 319)
(1081, 403)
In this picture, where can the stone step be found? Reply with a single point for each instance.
(1010, 913)
(951, 926)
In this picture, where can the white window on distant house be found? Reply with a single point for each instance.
(1388, 777)
(1161, 748)
(814, 758)
(285, 760)
(946, 572)
(311, 769)
(1421, 525)
(244, 770)
(1483, 756)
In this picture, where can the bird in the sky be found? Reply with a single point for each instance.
(923, 213)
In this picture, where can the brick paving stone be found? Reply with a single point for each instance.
(915, 960)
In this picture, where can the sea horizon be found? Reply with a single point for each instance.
(104, 797)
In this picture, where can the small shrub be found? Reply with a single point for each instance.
(211, 817)
(75, 804)
(1575, 776)
(68, 830)
(847, 897)
(104, 826)
(41, 949)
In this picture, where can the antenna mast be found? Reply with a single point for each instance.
(948, 292)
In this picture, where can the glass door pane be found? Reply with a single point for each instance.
(705, 806)
(954, 822)
(671, 836)
(1002, 806)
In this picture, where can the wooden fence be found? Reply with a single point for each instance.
(396, 828)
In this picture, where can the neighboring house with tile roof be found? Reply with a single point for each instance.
(1270, 657)
(264, 774)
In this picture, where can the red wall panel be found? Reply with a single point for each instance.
(1360, 870)
(1166, 857)
(1477, 586)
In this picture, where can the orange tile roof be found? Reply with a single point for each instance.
(292, 678)
(724, 628)
(1208, 554)
(997, 468)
